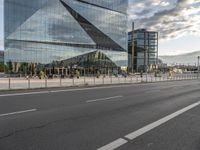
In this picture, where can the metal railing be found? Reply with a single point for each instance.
(34, 83)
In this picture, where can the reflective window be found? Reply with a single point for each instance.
(42, 31)
(146, 44)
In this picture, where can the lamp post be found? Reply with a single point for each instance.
(198, 66)
(133, 47)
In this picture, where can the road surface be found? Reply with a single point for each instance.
(153, 116)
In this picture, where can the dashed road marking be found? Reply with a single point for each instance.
(104, 99)
(153, 125)
(113, 145)
(131, 136)
(18, 112)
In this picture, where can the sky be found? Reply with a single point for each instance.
(177, 21)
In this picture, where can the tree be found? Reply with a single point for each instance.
(2, 67)
(10, 67)
(24, 68)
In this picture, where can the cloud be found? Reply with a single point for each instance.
(171, 18)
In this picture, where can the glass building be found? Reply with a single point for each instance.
(143, 50)
(45, 31)
(1, 56)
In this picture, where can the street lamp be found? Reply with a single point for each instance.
(198, 66)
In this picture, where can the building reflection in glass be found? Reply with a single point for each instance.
(45, 31)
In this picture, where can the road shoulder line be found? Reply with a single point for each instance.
(67, 90)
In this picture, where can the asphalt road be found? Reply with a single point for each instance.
(154, 116)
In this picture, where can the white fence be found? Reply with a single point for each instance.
(23, 83)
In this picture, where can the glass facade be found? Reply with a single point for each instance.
(44, 31)
(145, 49)
(1, 56)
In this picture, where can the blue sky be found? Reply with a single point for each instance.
(177, 21)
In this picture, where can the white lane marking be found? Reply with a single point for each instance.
(153, 91)
(17, 112)
(21, 94)
(119, 142)
(68, 90)
(92, 88)
(115, 144)
(104, 99)
(151, 126)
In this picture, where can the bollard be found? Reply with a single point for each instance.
(46, 82)
(60, 81)
(73, 82)
(9, 86)
(29, 83)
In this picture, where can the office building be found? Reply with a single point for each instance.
(143, 50)
(1, 56)
(66, 31)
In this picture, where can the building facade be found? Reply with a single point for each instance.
(46, 31)
(1, 56)
(143, 50)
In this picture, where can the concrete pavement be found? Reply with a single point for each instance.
(91, 118)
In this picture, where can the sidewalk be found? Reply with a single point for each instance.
(22, 83)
